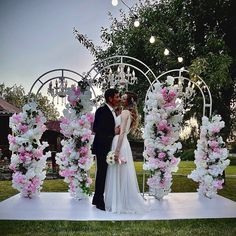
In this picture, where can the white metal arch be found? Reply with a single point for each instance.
(51, 75)
(197, 81)
(117, 60)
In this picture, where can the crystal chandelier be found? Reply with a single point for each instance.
(58, 90)
(121, 77)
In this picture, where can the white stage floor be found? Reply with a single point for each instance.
(61, 206)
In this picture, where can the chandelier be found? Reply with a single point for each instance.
(59, 89)
(121, 77)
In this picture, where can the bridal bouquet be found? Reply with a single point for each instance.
(110, 159)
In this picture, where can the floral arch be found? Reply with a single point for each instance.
(164, 109)
(28, 159)
(163, 98)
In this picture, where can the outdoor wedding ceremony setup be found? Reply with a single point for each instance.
(168, 97)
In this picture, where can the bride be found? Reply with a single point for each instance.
(121, 189)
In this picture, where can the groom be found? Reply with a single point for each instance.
(104, 129)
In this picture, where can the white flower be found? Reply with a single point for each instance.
(156, 111)
(209, 164)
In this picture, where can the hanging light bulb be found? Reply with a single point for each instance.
(180, 59)
(114, 2)
(136, 23)
(166, 52)
(152, 39)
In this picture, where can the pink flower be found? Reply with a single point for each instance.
(66, 172)
(161, 155)
(165, 140)
(38, 119)
(217, 150)
(218, 184)
(18, 178)
(86, 137)
(38, 153)
(213, 144)
(83, 150)
(83, 160)
(23, 128)
(89, 180)
(162, 125)
(11, 139)
(17, 118)
(174, 160)
(64, 121)
(215, 130)
(90, 117)
(81, 122)
(150, 151)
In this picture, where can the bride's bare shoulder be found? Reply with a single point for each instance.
(125, 113)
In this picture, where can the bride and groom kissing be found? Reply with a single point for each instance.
(116, 186)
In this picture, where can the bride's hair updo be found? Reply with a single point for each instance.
(132, 100)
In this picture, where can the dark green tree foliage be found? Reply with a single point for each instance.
(200, 31)
(17, 97)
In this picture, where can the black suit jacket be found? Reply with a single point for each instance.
(104, 129)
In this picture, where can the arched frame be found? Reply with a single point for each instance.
(55, 74)
(99, 67)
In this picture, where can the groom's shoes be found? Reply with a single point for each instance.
(101, 207)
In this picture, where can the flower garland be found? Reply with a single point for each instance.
(76, 158)
(161, 131)
(210, 157)
(28, 162)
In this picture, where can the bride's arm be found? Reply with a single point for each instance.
(124, 119)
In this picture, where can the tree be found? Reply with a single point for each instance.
(200, 31)
(17, 97)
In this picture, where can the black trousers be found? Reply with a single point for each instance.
(98, 198)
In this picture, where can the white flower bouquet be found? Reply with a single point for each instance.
(110, 159)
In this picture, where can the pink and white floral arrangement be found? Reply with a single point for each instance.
(76, 158)
(28, 161)
(210, 157)
(163, 116)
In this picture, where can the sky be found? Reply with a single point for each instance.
(36, 36)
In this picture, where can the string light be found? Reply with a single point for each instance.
(166, 52)
(152, 39)
(136, 23)
(114, 2)
(180, 59)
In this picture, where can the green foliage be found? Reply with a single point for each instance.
(200, 31)
(187, 155)
(17, 97)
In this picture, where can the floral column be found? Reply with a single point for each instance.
(210, 157)
(76, 158)
(28, 162)
(161, 132)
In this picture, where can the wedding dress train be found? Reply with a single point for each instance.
(122, 193)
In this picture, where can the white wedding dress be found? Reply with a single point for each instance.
(121, 189)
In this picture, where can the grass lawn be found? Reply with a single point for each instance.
(168, 227)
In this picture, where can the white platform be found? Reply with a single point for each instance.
(61, 206)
